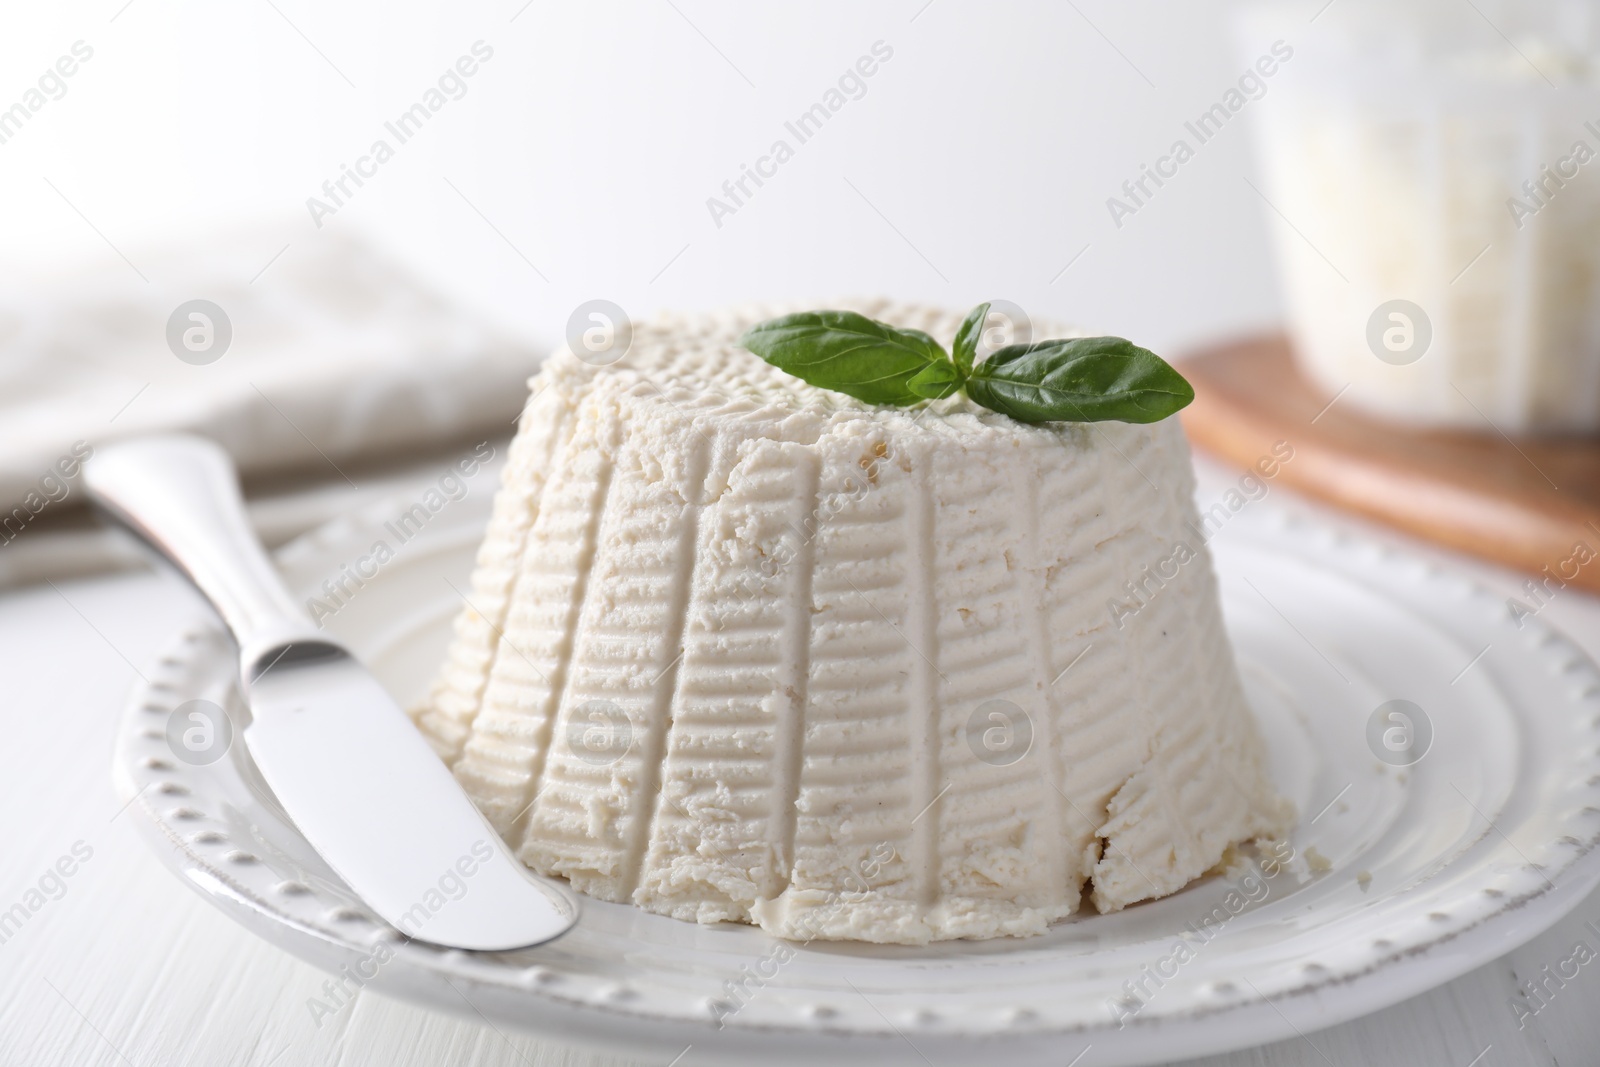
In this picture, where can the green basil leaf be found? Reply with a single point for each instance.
(966, 347)
(936, 381)
(1081, 379)
(847, 352)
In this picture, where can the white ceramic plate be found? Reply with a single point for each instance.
(1401, 879)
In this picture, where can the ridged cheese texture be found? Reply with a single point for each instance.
(741, 649)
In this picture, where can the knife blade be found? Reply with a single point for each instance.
(342, 758)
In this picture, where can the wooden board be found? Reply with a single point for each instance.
(1529, 503)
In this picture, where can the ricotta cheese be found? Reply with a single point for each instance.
(743, 649)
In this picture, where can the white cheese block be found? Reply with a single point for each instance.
(743, 649)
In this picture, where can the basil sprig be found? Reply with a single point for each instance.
(1077, 379)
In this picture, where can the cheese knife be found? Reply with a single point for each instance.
(342, 758)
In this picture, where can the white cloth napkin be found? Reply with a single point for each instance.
(337, 359)
(335, 355)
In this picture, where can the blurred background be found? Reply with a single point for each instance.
(577, 164)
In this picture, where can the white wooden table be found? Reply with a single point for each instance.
(128, 967)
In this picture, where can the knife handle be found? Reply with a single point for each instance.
(180, 495)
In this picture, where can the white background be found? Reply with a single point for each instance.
(591, 141)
